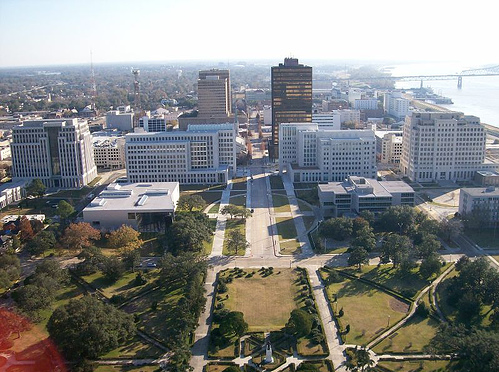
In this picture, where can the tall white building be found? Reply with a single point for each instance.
(365, 104)
(121, 119)
(484, 200)
(204, 154)
(310, 153)
(57, 151)
(109, 151)
(348, 116)
(443, 146)
(395, 105)
(156, 123)
(389, 146)
(329, 119)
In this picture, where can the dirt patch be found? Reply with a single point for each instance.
(397, 305)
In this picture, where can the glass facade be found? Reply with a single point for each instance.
(291, 96)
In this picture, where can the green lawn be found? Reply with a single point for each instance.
(485, 238)
(94, 181)
(208, 245)
(75, 194)
(266, 301)
(233, 224)
(239, 200)
(308, 221)
(239, 183)
(286, 228)
(214, 208)
(281, 203)
(276, 182)
(127, 369)
(417, 365)
(135, 348)
(355, 297)
(290, 247)
(124, 286)
(208, 196)
(304, 207)
(413, 337)
(310, 196)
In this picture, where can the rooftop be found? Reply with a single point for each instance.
(366, 187)
(481, 191)
(136, 197)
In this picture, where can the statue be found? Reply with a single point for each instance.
(268, 353)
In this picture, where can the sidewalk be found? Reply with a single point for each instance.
(218, 239)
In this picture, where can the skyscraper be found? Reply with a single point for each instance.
(57, 151)
(214, 95)
(291, 96)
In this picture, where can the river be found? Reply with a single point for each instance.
(478, 96)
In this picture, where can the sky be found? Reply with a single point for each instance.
(58, 32)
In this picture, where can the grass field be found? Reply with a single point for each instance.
(239, 200)
(308, 221)
(304, 207)
(310, 196)
(208, 196)
(124, 286)
(233, 224)
(265, 301)
(215, 208)
(213, 367)
(290, 247)
(281, 203)
(286, 228)
(135, 348)
(127, 369)
(208, 244)
(411, 338)
(276, 183)
(485, 238)
(417, 365)
(355, 297)
(239, 183)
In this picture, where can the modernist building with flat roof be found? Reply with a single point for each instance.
(485, 200)
(204, 154)
(357, 194)
(309, 153)
(389, 146)
(443, 146)
(121, 119)
(396, 105)
(291, 96)
(57, 151)
(144, 206)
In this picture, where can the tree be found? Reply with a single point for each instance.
(64, 209)
(450, 229)
(32, 298)
(36, 188)
(336, 228)
(359, 224)
(430, 265)
(88, 328)
(365, 239)
(428, 246)
(53, 269)
(368, 216)
(11, 323)
(359, 360)
(126, 237)
(299, 323)
(358, 256)
(10, 267)
(400, 218)
(230, 209)
(42, 242)
(188, 232)
(236, 241)
(233, 324)
(26, 229)
(113, 269)
(78, 236)
(190, 202)
(131, 259)
(395, 248)
(16, 243)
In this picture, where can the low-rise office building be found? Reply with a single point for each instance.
(309, 153)
(143, 206)
(12, 192)
(389, 146)
(121, 119)
(484, 200)
(204, 154)
(109, 151)
(357, 194)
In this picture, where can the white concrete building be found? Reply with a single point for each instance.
(348, 116)
(389, 146)
(11, 192)
(204, 154)
(483, 199)
(395, 105)
(57, 151)
(327, 119)
(443, 146)
(365, 104)
(143, 206)
(313, 154)
(267, 115)
(156, 123)
(109, 151)
(357, 194)
(120, 119)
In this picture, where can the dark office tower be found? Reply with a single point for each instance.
(291, 97)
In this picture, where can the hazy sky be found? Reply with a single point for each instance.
(45, 32)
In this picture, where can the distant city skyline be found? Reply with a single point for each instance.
(59, 32)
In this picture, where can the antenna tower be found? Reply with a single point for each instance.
(93, 87)
(136, 89)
